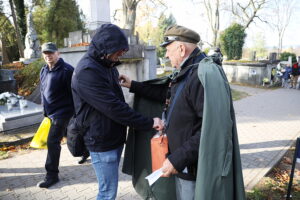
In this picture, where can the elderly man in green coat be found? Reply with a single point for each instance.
(200, 124)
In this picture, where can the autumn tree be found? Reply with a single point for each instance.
(152, 34)
(259, 45)
(8, 40)
(130, 11)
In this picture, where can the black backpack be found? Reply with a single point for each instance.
(75, 140)
(76, 130)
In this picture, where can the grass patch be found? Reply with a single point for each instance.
(237, 95)
(29, 77)
(3, 155)
(257, 86)
(240, 61)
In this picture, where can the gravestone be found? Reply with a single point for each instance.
(272, 57)
(253, 56)
(16, 117)
(75, 37)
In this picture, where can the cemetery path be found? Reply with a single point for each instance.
(268, 123)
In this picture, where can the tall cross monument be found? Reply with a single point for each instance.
(98, 13)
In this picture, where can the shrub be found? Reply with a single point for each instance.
(285, 56)
(29, 77)
(232, 41)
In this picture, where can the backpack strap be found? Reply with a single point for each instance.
(178, 92)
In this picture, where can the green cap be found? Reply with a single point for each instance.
(180, 33)
(49, 47)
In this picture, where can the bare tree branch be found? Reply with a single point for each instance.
(247, 13)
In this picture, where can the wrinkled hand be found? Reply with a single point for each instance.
(158, 124)
(168, 168)
(125, 81)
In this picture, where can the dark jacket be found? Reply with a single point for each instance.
(184, 127)
(295, 69)
(98, 97)
(287, 72)
(56, 95)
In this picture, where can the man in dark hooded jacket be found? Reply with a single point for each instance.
(100, 105)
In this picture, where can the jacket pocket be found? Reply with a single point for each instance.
(228, 158)
(95, 130)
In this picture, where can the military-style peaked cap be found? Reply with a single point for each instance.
(180, 33)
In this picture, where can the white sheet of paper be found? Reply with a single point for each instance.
(152, 178)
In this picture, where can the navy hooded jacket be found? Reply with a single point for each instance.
(56, 95)
(98, 98)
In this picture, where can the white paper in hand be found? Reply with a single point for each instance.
(152, 178)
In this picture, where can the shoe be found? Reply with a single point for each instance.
(83, 159)
(47, 182)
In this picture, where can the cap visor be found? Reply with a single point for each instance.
(48, 50)
(164, 44)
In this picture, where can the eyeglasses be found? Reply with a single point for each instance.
(171, 38)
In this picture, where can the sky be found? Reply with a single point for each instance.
(189, 14)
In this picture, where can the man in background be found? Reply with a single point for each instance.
(56, 97)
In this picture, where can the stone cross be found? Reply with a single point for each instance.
(98, 13)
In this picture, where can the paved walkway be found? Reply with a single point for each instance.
(268, 123)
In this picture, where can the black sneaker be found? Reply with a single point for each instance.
(47, 182)
(83, 159)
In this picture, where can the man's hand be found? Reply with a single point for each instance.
(168, 168)
(158, 124)
(125, 81)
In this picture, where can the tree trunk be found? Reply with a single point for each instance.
(18, 35)
(129, 14)
(21, 18)
(280, 36)
(217, 24)
(5, 59)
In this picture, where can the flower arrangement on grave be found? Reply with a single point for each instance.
(6, 97)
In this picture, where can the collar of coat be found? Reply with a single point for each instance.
(187, 64)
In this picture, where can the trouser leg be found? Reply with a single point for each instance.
(57, 130)
(185, 190)
(106, 166)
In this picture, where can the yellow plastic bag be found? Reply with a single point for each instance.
(40, 138)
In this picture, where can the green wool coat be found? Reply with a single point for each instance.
(137, 157)
(219, 175)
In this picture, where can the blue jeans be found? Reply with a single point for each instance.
(106, 166)
(185, 190)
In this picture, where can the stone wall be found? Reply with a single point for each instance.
(139, 63)
(138, 56)
(249, 73)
